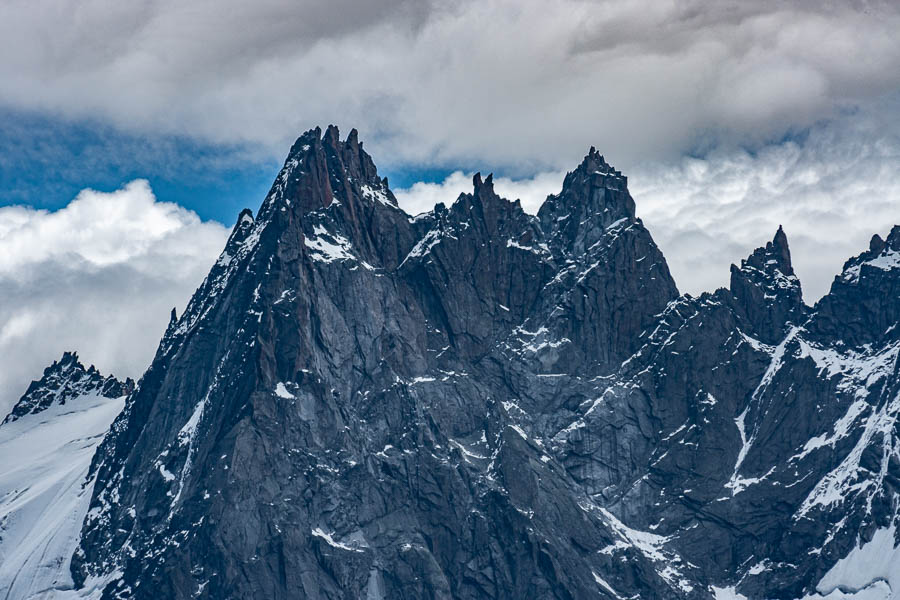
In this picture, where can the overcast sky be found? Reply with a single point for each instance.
(729, 118)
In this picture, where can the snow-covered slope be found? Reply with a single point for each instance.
(44, 459)
(870, 572)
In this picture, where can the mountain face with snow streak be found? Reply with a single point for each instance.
(46, 445)
(481, 403)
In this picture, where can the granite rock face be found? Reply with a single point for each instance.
(481, 403)
(63, 381)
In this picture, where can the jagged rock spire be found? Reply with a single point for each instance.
(767, 290)
(487, 185)
(863, 305)
(781, 251)
(332, 185)
(594, 196)
(240, 230)
(599, 187)
(65, 380)
(770, 261)
(883, 254)
(320, 169)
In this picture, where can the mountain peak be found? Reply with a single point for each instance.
(487, 183)
(332, 136)
(893, 239)
(882, 255)
(867, 289)
(64, 380)
(594, 161)
(347, 378)
(594, 197)
(595, 187)
(767, 289)
(773, 259)
(320, 168)
(599, 172)
(69, 357)
(779, 249)
(353, 138)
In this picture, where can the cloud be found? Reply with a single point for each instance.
(422, 196)
(98, 276)
(831, 190)
(524, 85)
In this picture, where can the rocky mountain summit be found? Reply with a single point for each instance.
(63, 381)
(481, 403)
(46, 447)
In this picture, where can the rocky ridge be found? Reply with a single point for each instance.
(63, 381)
(481, 403)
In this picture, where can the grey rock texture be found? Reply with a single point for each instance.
(481, 403)
(65, 380)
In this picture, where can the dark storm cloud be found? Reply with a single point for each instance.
(521, 84)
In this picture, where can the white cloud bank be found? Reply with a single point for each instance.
(511, 83)
(98, 276)
(422, 196)
(831, 193)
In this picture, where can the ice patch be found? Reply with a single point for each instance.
(844, 481)
(539, 249)
(424, 246)
(602, 583)
(728, 593)
(737, 483)
(282, 392)
(329, 539)
(371, 193)
(327, 251)
(650, 545)
(166, 474)
(224, 259)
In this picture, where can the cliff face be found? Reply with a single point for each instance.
(481, 403)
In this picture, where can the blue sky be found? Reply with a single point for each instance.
(729, 118)
(46, 160)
